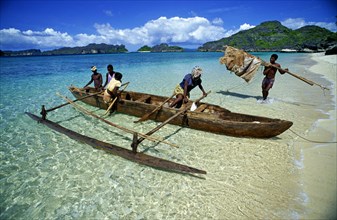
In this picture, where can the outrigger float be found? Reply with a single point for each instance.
(137, 157)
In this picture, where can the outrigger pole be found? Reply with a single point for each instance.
(155, 139)
(45, 111)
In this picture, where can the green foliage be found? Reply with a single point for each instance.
(144, 48)
(161, 48)
(273, 36)
(89, 49)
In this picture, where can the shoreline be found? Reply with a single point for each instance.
(318, 157)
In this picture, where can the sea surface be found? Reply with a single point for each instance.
(46, 175)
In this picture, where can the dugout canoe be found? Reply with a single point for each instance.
(139, 157)
(207, 117)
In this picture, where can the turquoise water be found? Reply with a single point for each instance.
(46, 175)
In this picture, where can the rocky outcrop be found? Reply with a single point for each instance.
(331, 50)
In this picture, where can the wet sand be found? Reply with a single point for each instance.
(318, 174)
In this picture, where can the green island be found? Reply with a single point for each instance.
(273, 36)
(89, 49)
(161, 48)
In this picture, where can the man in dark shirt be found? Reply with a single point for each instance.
(190, 81)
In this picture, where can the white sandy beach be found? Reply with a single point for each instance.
(318, 175)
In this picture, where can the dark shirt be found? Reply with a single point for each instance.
(191, 83)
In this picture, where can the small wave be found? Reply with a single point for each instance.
(266, 101)
(299, 163)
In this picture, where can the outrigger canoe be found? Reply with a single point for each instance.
(206, 117)
(138, 157)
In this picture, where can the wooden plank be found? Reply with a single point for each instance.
(142, 99)
(201, 108)
(140, 158)
(146, 116)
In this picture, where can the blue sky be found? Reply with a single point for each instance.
(43, 24)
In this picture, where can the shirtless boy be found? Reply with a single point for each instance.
(96, 78)
(269, 72)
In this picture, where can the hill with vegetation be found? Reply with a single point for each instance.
(273, 36)
(161, 48)
(89, 49)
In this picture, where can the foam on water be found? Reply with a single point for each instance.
(265, 101)
(47, 175)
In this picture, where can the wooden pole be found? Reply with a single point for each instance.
(134, 144)
(171, 118)
(64, 104)
(146, 116)
(295, 75)
(43, 113)
(154, 139)
(113, 102)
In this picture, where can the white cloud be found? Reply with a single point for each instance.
(217, 21)
(243, 27)
(176, 30)
(41, 39)
(295, 23)
(166, 30)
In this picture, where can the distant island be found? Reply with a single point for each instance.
(161, 48)
(89, 49)
(268, 36)
(273, 36)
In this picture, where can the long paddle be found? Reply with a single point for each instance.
(146, 116)
(113, 102)
(172, 117)
(83, 110)
(296, 76)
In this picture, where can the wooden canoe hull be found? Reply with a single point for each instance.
(207, 117)
(140, 158)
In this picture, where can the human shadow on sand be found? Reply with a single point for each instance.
(239, 95)
(244, 96)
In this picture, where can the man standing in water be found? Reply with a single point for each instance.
(269, 72)
(96, 78)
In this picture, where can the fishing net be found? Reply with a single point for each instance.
(241, 63)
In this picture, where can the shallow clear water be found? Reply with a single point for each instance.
(47, 175)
